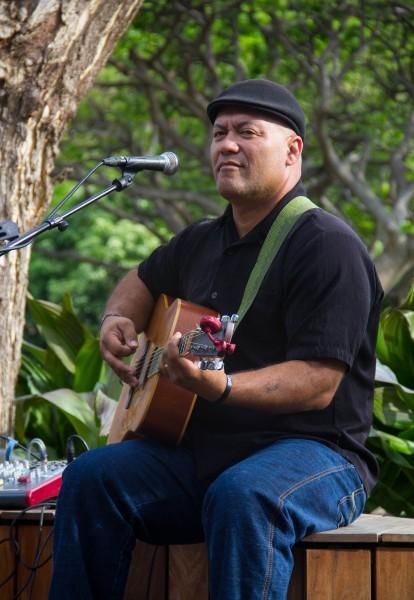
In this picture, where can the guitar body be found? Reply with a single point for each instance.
(157, 407)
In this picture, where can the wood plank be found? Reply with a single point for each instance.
(369, 529)
(31, 515)
(188, 572)
(36, 547)
(297, 581)
(147, 577)
(364, 529)
(7, 563)
(394, 573)
(398, 530)
(343, 574)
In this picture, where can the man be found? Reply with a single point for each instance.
(274, 451)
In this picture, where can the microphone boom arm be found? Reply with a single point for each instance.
(59, 220)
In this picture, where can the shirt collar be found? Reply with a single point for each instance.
(259, 232)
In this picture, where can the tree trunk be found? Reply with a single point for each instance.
(51, 51)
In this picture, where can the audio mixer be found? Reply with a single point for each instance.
(25, 483)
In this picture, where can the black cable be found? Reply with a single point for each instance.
(70, 446)
(151, 571)
(40, 546)
(7, 438)
(33, 567)
(4, 581)
(49, 504)
(52, 214)
(36, 564)
(73, 190)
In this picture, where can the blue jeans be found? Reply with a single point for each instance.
(250, 516)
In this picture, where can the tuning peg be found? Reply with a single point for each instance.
(210, 324)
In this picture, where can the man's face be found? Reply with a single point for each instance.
(249, 155)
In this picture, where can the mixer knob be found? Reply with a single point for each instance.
(23, 479)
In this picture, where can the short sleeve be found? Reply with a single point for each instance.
(160, 271)
(330, 289)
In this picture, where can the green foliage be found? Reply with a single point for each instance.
(392, 436)
(61, 388)
(350, 65)
(89, 258)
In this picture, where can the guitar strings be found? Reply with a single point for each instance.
(158, 351)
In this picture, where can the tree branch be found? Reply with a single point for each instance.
(405, 190)
(71, 255)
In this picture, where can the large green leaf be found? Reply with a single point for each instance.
(67, 304)
(36, 351)
(104, 409)
(390, 409)
(408, 303)
(383, 374)
(41, 370)
(88, 366)
(61, 330)
(395, 446)
(112, 386)
(396, 499)
(407, 434)
(36, 378)
(62, 378)
(78, 412)
(395, 344)
(36, 417)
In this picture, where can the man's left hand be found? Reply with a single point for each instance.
(182, 371)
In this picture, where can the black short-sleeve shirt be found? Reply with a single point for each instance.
(320, 299)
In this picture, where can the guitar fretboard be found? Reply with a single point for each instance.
(184, 347)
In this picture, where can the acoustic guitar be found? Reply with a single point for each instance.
(157, 407)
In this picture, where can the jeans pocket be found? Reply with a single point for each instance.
(350, 507)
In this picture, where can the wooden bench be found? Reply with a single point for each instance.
(372, 559)
(30, 539)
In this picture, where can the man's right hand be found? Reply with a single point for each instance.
(118, 339)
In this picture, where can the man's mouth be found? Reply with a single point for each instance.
(228, 165)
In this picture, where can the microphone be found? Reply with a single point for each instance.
(167, 162)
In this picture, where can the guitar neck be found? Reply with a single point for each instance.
(155, 359)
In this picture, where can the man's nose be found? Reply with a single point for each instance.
(229, 143)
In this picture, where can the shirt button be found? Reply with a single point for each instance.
(214, 295)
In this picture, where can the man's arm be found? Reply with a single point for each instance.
(127, 313)
(291, 386)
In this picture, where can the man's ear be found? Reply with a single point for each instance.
(295, 146)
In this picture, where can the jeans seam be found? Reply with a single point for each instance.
(311, 478)
(269, 568)
(356, 492)
(282, 499)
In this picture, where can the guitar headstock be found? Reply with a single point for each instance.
(211, 339)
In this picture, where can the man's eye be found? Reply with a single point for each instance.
(218, 134)
(247, 132)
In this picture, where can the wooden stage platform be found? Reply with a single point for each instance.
(372, 559)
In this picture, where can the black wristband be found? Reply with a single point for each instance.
(227, 390)
(106, 315)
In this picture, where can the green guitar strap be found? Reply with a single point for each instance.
(274, 240)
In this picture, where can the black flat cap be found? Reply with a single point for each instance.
(265, 96)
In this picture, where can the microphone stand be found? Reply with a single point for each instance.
(59, 220)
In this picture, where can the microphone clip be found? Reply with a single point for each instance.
(9, 231)
(125, 180)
